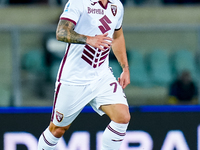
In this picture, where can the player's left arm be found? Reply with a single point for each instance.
(119, 49)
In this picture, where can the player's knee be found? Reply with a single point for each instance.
(126, 118)
(58, 131)
(123, 118)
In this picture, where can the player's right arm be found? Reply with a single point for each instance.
(65, 32)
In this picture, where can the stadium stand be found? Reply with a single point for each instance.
(160, 72)
(4, 97)
(33, 61)
(54, 70)
(184, 60)
(139, 76)
(148, 37)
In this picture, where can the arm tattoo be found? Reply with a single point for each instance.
(65, 32)
(123, 66)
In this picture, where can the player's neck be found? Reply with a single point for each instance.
(104, 2)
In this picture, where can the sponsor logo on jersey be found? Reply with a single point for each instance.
(59, 116)
(67, 7)
(114, 9)
(95, 11)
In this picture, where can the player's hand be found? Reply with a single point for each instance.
(124, 78)
(100, 41)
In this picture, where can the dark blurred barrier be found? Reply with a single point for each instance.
(151, 128)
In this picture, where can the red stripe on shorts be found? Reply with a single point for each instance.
(55, 99)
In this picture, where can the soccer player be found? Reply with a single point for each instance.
(90, 28)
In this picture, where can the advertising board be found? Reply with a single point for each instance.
(150, 128)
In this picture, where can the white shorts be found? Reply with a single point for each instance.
(71, 99)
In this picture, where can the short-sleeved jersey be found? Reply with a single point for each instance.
(83, 63)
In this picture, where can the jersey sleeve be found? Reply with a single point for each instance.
(72, 11)
(119, 23)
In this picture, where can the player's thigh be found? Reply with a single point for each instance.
(117, 112)
(110, 95)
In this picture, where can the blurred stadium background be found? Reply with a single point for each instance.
(162, 39)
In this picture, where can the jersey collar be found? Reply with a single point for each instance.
(104, 7)
(109, 1)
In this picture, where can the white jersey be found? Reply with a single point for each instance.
(84, 63)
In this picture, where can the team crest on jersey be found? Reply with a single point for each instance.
(59, 116)
(114, 9)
